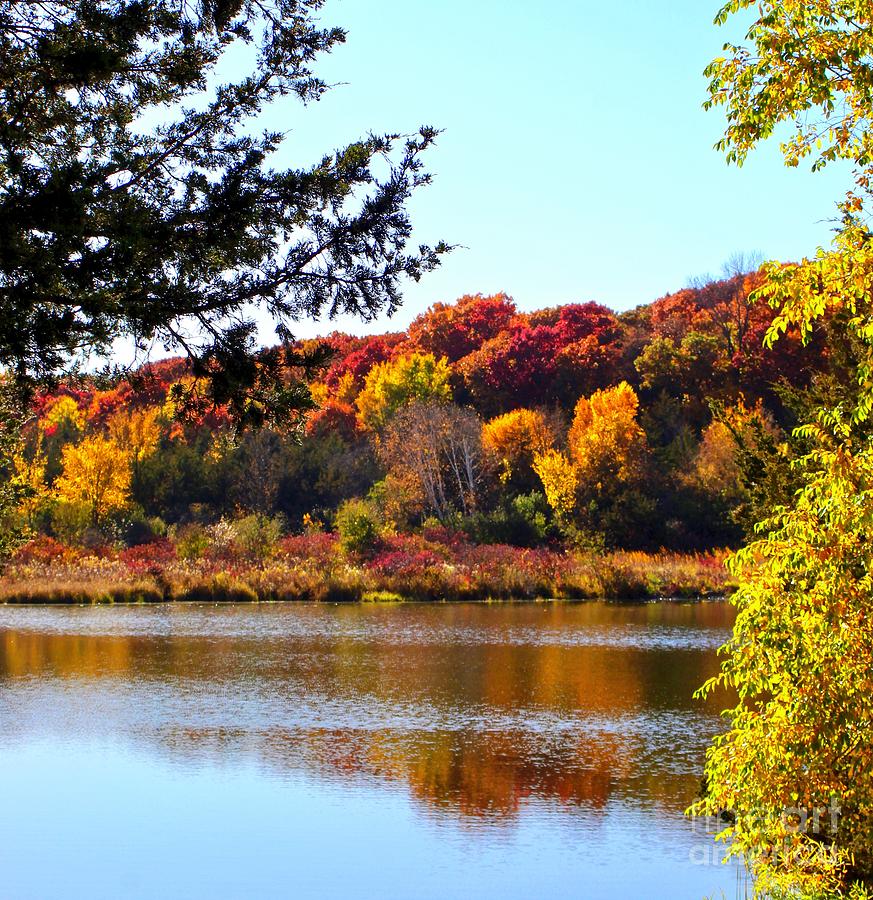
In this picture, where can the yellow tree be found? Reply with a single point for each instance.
(136, 431)
(96, 473)
(594, 489)
(795, 766)
(606, 442)
(64, 411)
(395, 383)
(560, 482)
(515, 439)
(29, 480)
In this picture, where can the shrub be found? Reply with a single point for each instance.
(41, 549)
(317, 547)
(192, 542)
(257, 535)
(357, 524)
(147, 557)
(525, 522)
(69, 521)
(222, 539)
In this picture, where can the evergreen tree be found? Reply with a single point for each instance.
(137, 202)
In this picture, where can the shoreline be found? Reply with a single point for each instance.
(370, 601)
(317, 570)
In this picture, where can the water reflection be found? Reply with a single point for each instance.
(484, 714)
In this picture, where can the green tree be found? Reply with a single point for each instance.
(137, 201)
(795, 766)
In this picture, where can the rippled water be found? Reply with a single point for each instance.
(358, 751)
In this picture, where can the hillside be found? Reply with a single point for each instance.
(662, 427)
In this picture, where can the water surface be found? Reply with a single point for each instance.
(433, 751)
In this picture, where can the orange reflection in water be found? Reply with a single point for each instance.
(476, 709)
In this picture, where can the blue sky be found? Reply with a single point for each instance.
(576, 163)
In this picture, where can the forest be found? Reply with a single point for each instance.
(569, 433)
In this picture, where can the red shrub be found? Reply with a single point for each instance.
(404, 563)
(320, 547)
(145, 557)
(42, 549)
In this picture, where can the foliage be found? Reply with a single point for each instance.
(257, 535)
(560, 482)
(357, 524)
(801, 660)
(62, 411)
(96, 475)
(808, 65)
(550, 356)
(606, 442)
(439, 565)
(135, 431)
(801, 655)
(391, 385)
(515, 439)
(596, 489)
(70, 521)
(137, 201)
(683, 368)
(674, 353)
(453, 330)
(192, 542)
(399, 496)
(439, 447)
(28, 480)
(523, 522)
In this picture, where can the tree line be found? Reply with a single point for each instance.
(666, 426)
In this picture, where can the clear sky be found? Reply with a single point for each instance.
(577, 162)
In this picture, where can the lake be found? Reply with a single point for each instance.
(432, 751)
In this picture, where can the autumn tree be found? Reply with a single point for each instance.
(454, 330)
(136, 201)
(560, 482)
(794, 768)
(515, 439)
(602, 470)
(551, 356)
(96, 474)
(391, 385)
(28, 481)
(355, 357)
(606, 442)
(136, 432)
(440, 446)
(690, 367)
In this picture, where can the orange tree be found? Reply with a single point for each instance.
(514, 439)
(593, 487)
(796, 765)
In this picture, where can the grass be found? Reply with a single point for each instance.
(432, 567)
